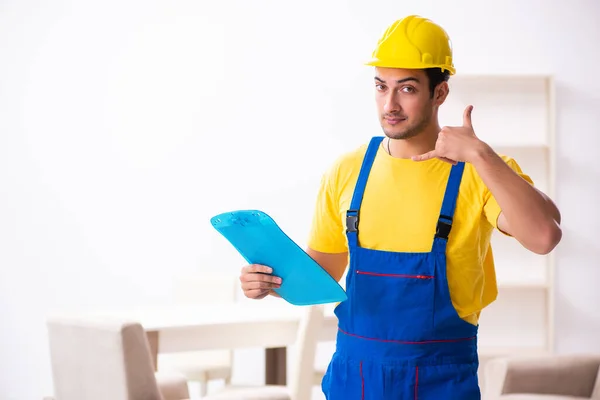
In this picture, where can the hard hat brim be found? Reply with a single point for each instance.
(403, 64)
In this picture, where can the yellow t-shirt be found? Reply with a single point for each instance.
(399, 213)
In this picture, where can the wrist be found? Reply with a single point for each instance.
(482, 153)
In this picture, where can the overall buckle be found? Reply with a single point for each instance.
(352, 221)
(443, 228)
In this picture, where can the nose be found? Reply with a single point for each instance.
(391, 105)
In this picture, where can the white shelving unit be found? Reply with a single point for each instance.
(514, 114)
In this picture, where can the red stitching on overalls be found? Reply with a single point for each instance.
(417, 383)
(404, 342)
(362, 381)
(396, 275)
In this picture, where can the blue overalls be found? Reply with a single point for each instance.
(399, 336)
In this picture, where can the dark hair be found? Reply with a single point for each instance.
(436, 76)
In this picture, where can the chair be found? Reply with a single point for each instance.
(202, 366)
(555, 377)
(302, 376)
(100, 359)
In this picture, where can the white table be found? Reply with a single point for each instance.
(271, 324)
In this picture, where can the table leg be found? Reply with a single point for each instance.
(153, 342)
(276, 366)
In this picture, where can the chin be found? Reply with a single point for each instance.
(399, 135)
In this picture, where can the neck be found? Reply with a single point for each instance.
(417, 145)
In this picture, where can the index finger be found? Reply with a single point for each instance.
(256, 268)
(427, 156)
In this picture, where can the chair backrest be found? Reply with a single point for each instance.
(568, 375)
(305, 348)
(97, 359)
(204, 287)
(596, 391)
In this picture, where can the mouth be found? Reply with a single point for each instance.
(394, 121)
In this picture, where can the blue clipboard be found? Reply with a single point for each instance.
(257, 237)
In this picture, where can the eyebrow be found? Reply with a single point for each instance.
(410, 78)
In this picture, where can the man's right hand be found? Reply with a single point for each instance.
(257, 281)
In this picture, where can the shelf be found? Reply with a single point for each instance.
(510, 110)
(515, 114)
(511, 274)
(518, 318)
(490, 351)
(525, 148)
(524, 285)
(497, 78)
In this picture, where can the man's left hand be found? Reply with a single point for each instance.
(455, 144)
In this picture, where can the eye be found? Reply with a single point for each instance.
(408, 89)
(380, 87)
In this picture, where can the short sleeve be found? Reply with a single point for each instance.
(326, 232)
(491, 207)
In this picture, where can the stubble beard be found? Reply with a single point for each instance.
(409, 132)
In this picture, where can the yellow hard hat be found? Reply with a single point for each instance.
(414, 42)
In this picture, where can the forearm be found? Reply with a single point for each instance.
(530, 216)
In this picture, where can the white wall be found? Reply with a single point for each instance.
(125, 125)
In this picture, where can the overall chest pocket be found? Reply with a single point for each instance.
(394, 305)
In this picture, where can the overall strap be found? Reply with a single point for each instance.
(352, 215)
(444, 223)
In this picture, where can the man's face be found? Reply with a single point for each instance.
(404, 103)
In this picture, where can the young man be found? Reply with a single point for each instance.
(415, 211)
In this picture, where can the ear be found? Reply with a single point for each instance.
(440, 93)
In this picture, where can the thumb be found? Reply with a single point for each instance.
(467, 117)
(427, 156)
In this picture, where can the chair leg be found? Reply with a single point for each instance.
(203, 389)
